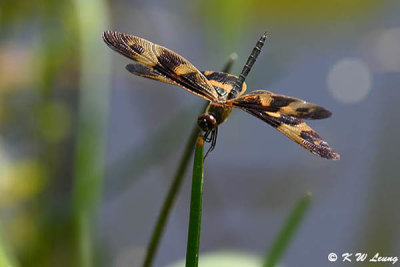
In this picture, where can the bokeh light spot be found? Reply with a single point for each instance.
(388, 50)
(349, 80)
(225, 259)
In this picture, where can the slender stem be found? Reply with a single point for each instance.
(228, 65)
(287, 232)
(176, 184)
(92, 125)
(193, 243)
(170, 199)
(7, 258)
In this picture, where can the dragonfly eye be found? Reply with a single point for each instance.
(207, 122)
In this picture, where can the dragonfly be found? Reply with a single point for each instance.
(224, 92)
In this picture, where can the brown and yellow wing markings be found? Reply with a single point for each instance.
(268, 101)
(225, 83)
(298, 131)
(143, 71)
(285, 114)
(167, 63)
(282, 112)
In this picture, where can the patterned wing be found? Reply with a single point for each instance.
(267, 101)
(143, 71)
(285, 117)
(225, 84)
(162, 61)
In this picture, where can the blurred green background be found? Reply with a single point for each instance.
(88, 151)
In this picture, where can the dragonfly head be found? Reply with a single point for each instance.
(207, 122)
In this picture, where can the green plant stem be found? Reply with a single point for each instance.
(193, 243)
(6, 257)
(92, 124)
(287, 232)
(170, 199)
(176, 184)
(229, 63)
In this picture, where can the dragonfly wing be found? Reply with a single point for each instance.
(164, 61)
(268, 101)
(285, 114)
(150, 73)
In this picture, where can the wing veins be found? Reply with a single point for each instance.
(269, 102)
(298, 131)
(153, 59)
